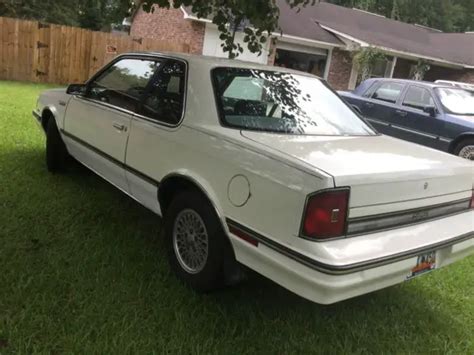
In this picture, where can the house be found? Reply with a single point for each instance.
(322, 39)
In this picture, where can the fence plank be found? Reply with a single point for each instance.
(61, 54)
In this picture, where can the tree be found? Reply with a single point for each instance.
(365, 60)
(91, 14)
(395, 14)
(446, 15)
(54, 11)
(257, 18)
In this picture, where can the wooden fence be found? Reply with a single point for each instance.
(47, 53)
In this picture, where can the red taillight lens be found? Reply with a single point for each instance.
(325, 214)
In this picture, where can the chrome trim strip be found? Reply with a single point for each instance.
(373, 120)
(111, 159)
(388, 124)
(349, 268)
(414, 199)
(102, 104)
(376, 223)
(414, 131)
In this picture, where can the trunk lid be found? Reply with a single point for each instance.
(379, 169)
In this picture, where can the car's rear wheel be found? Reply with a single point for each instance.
(56, 152)
(465, 149)
(196, 242)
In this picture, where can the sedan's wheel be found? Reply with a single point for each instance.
(196, 243)
(466, 149)
(190, 241)
(56, 152)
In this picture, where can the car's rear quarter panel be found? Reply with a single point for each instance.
(212, 155)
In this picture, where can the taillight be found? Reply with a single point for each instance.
(472, 200)
(325, 214)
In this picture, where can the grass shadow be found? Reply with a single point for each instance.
(97, 255)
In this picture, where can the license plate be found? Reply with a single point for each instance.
(425, 263)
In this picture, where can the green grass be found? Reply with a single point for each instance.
(83, 270)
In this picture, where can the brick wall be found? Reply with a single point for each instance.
(169, 25)
(340, 69)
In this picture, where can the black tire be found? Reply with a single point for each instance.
(56, 152)
(212, 275)
(464, 144)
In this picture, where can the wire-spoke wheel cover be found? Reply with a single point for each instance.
(467, 152)
(190, 241)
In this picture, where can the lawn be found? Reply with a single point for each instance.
(83, 270)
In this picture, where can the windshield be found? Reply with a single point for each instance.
(283, 103)
(457, 101)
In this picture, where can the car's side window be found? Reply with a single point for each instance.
(165, 101)
(388, 92)
(418, 97)
(370, 90)
(123, 83)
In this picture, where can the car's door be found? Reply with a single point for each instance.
(381, 106)
(97, 124)
(153, 141)
(417, 124)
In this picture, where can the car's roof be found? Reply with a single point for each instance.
(212, 62)
(408, 81)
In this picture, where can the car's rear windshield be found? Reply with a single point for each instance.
(280, 102)
(457, 101)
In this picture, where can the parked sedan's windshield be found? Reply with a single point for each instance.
(457, 101)
(284, 103)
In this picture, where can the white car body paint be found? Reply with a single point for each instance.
(385, 175)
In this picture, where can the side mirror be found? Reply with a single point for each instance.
(76, 89)
(430, 110)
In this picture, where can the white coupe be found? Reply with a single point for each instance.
(265, 167)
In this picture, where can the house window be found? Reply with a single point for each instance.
(307, 62)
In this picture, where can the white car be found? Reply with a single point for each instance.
(267, 167)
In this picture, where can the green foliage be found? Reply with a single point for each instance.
(365, 59)
(54, 11)
(257, 18)
(91, 14)
(421, 68)
(446, 15)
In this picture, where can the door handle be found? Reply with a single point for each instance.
(401, 113)
(120, 127)
(368, 104)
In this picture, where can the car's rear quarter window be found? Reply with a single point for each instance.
(281, 102)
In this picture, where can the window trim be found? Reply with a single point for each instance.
(104, 69)
(148, 90)
(383, 82)
(415, 108)
(371, 89)
(223, 123)
(145, 56)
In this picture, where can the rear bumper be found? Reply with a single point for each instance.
(329, 283)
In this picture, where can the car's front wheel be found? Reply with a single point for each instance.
(196, 243)
(465, 149)
(56, 152)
